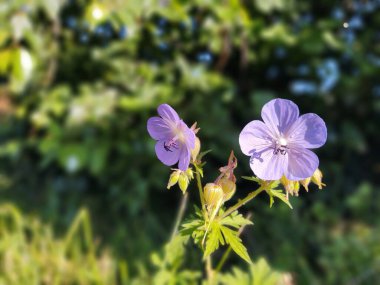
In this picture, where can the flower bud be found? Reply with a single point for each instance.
(196, 149)
(305, 183)
(190, 173)
(229, 188)
(316, 179)
(173, 179)
(213, 194)
(290, 186)
(183, 182)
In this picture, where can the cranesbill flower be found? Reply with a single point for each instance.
(280, 145)
(175, 139)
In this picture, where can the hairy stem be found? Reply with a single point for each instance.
(200, 188)
(209, 270)
(228, 251)
(242, 202)
(181, 212)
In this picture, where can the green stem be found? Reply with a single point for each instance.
(249, 197)
(223, 259)
(200, 188)
(181, 212)
(209, 270)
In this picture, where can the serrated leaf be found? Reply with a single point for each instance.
(214, 239)
(263, 274)
(259, 273)
(237, 276)
(235, 220)
(252, 178)
(194, 226)
(278, 194)
(190, 226)
(231, 237)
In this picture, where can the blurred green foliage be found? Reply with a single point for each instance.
(80, 78)
(30, 254)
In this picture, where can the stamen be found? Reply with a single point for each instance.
(281, 146)
(168, 146)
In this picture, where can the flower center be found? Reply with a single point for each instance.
(178, 137)
(281, 146)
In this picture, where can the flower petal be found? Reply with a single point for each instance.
(302, 163)
(167, 112)
(269, 166)
(279, 115)
(184, 159)
(254, 137)
(158, 129)
(167, 157)
(309, 131)
(189, 134)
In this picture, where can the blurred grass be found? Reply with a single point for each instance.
(30, 253)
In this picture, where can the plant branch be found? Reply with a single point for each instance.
(200, 188)
(242, 202)
(209, 270)
(181, 212)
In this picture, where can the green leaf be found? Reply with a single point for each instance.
(220, 233)
(235, 220)
(214, 238)
(194, 226)
(5, 56)
(252, 178)
(262, 274)
(237, 276)
(235, 242)
(278, 194)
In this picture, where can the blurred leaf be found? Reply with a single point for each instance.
(5, 60)
(267, 6)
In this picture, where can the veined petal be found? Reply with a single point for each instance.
(255, 137)
(302, 164)
(157, 128)
(167, 157)
(167, 112)
(184, 159)
(309, 131)
(269, 166)
(189, 135)
(279, 115)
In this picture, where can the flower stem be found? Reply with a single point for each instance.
(200, 188)
(228, 251)
(209, 270)
(181, 212)
(249, 197)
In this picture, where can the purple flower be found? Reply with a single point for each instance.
(175, 139)
(280, 145)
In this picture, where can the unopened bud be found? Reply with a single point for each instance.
(229, 188)
(316, 178)
(190, 173)
(305, 183)
(290, 186)
(196, 149)
(183, 182)
(213, 194)
(173, 179)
